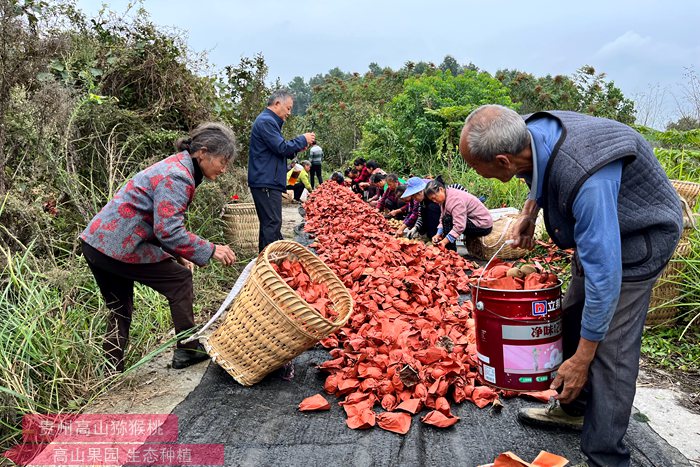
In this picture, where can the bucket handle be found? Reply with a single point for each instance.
(479, 305)
(506, 318)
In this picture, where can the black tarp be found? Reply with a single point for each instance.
(261, 425)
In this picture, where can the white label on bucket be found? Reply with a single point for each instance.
(490, 374)
(527, 332)
(483, 358)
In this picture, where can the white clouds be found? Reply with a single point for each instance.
(631, 46)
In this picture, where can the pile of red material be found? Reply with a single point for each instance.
(409, 344)
(507, 276)
(314, 293)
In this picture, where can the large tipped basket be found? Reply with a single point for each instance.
(485, 247)
(268, 324)
(242, 227)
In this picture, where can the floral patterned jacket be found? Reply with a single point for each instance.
(145, 221)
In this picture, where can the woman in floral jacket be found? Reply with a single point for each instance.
(140, 236)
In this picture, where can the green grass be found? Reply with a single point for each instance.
(673, 349)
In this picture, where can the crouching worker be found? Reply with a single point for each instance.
(461, 214)
(605, 194)
(298, 179)
(390, 200)
(140, 236)
(338, 178)
(413, 197)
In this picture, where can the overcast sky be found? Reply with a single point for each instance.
(639, 44)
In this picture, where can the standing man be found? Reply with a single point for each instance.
(267, 164)
(316, 156)
(605, 194)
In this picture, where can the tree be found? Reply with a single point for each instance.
(245, 95)
(302, 95)
(449, 63)
(23, 54)
(586, 91)
(422, 123)
(684, 124)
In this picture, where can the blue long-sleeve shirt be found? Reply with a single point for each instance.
(596, 232)
(268, 152)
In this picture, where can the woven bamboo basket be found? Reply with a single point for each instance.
(484, 247)
(665, 295)
(268, 324)
(242, 227)
(688, 190)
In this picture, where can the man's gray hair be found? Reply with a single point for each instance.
(306, 163)
(493, 130)
(280, 95)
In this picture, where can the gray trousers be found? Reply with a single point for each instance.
(606, 401)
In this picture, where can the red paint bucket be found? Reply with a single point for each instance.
(518, 336)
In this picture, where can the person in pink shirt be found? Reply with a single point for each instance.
(461, 214)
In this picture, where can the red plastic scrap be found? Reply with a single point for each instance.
(314, 403)
(439, 419)
(397, 422)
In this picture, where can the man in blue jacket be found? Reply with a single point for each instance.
(605, 194)
(267, 164)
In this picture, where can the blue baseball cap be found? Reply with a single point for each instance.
(413, 186)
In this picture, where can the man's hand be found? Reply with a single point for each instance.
(395, 212)
(573, 373)
(444, 242)
(188, 264)
(310, 138)
(224, 255)
(399, 231)
(412, 233)
(524, 232)
(437, 238)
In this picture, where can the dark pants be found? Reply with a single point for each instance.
(116, 282)
(470, 231)
(268, 205)
(315, 170)
(430, 214)
(606, 401)
(298, 190)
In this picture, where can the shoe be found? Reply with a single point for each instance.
(182, 358)
(287, 371)
(546, 418)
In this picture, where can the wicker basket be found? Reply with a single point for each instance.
(688, 190)
(268, 324)
(484, 247)
(666, 293)
(242, 227)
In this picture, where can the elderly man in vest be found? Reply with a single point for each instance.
(605, 194)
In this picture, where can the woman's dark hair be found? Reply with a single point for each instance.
(338, 177)
(372, 165)
(347, 171)
(376, 178)
(217, 138)
(392, 178)
(359, 161)
(433, 187)
(400, 190)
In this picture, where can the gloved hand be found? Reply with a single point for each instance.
(412, 233)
